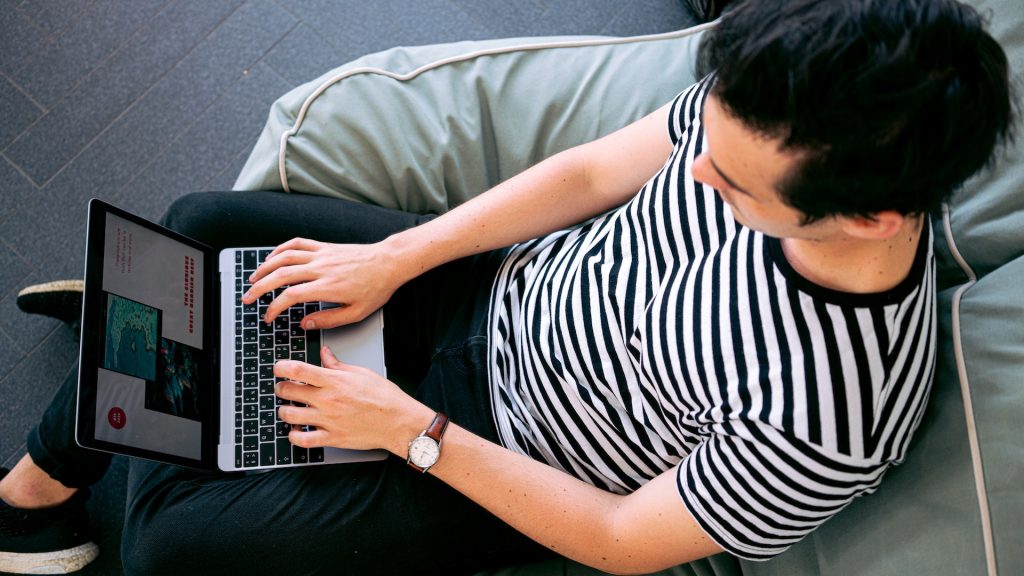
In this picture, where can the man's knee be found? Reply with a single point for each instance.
(193, 214)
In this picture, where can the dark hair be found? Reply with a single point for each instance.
(894, 103)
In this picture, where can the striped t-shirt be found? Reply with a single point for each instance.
(665, 334)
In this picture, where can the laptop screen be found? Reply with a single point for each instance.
(151, 360)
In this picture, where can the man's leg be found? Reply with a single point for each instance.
(378, 517)
(43, 522)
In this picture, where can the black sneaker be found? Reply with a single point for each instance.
(60, 299)
(46, 540)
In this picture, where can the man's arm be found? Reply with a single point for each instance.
(642, 532)
(353, 407)
(561, 191)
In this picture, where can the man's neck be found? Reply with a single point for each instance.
(854, 265)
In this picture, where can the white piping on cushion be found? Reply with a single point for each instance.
(460, 58)
(965, 392)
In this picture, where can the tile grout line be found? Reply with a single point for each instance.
(19, 170)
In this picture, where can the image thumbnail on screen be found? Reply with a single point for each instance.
(131, 337)
(175, 390)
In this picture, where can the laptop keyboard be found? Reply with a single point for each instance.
(260, 438)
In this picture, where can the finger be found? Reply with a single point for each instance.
(285, 258)
(308, 438)
(291, 296)
(296, 244)
(328, 359)
(287, 275)
(331, 362)
(296, 392)
(302, 372)
(298, 415)
(330, 318)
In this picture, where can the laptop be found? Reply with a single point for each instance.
(175, 369)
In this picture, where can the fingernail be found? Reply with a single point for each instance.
(310, 325)
(251, 276)
(246, 295)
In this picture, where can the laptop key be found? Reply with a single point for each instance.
(313, 347)
(283, 428)
(267, 418)
(300, 356)
(266, 342)
(251, 459)
(266, 329)
(267, 454)
(249, 260)
(284, 451)
(266, 386)
(250, 396)
(238, 456)
(251, 426)
(267, 434)
(267, 357)
(280, 352)
(267, 402)
(250, 350)
(316, 454)
(250, 411)
(250, 443)
(299, 455)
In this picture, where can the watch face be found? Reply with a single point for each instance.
(423, 452)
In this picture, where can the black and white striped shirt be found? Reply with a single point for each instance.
(664, 334)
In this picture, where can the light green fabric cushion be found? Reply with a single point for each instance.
(432, 141)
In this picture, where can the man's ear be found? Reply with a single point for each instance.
(878, 226)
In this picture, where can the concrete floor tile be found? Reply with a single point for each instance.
(49, 74)
(115, 85)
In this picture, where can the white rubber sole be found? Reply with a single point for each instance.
(55, 286)
(60, 562)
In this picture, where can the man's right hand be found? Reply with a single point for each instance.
(360, 278)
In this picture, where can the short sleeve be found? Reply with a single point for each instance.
(686, 107)
(756, 491)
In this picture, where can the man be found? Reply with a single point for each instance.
(720, 361)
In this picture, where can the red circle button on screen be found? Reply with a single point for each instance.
(117, 418)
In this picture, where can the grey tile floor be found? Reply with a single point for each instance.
(141, 101)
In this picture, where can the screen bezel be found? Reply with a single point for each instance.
(92, 338)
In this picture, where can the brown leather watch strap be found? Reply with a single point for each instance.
(437, 427)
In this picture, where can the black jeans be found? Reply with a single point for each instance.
(366, 518)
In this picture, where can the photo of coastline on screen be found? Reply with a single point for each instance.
(132, 330)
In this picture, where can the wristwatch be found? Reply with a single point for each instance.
(425, 449)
